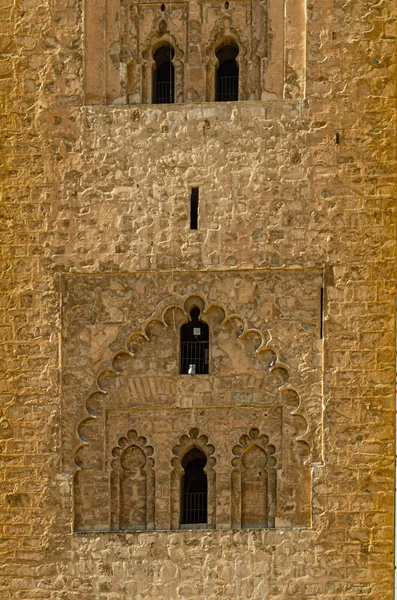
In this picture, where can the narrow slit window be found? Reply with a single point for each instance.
(194, 345)
(194, 201)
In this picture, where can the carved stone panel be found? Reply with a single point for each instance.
(121, 37)
(254, 483)
(256, 407)
(132, 484)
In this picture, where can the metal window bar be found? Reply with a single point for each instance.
(194, 353)
(227, 88)
(164, 92)
(194, 508)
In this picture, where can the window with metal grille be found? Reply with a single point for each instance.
(194, 345)
(194, 489)
(226, 85)
(163, 76)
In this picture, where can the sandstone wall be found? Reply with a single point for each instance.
(288, 189)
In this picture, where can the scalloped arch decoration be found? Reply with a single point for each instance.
(158, 39)
(94, 401)
(132, 484)
(254, 481)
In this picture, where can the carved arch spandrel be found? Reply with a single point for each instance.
(89, 459)
(186, 443)
(132, 484)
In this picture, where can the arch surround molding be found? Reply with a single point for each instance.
(132, 475)
(92, 462)
(161, 38)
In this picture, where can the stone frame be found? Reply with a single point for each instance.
(223, 37)
(162, 38)
(91, 479)
(118, 64)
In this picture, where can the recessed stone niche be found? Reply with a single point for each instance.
(255, 418)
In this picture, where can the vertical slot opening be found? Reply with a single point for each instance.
(321, 311)
(194, 199)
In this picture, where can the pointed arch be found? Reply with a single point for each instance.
(194, 345)
(96, 397)
(227, 72)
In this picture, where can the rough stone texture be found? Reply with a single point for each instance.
(101, 193)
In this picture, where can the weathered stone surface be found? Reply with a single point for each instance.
(296, 191)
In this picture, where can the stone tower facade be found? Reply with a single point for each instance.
(198, 345)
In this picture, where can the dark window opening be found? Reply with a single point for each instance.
(226, 87)
(194, 345)
(163, 76)
(194, 489)
(194, 198)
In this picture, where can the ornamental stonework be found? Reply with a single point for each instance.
(198, 299)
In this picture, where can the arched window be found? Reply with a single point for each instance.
(226, 85)
(194, 345)
(163, 76)
(194, 489)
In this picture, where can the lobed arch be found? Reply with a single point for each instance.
(193, 440)
(96, 398)
(254, 482)
(161, 39)
(132, 484)
(116, 72)
(225, 35)
(89, 453)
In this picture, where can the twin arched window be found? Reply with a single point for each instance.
(226, 76)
